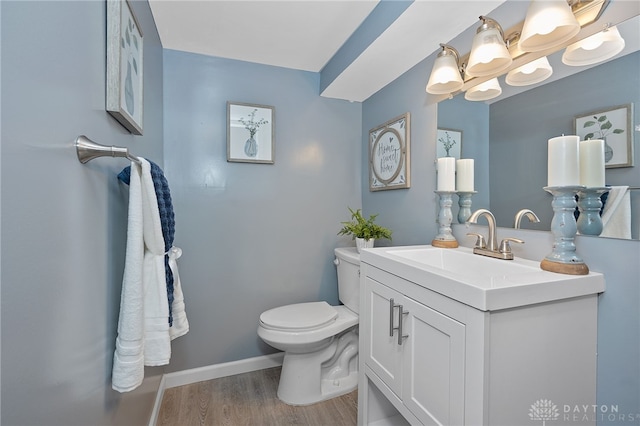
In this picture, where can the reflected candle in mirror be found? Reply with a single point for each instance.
(592, 163)
(464, 175)
(563, 161)
(446, 174)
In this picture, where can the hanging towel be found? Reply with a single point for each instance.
(128, 359)
(157, 344)
(167, 220)
(616, 216)
(180, 325)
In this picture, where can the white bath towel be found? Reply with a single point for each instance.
(157, 343)
(180, 325)
(128, 359)
(616, 215)
(143, 325)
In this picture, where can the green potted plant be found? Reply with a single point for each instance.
(364, 231)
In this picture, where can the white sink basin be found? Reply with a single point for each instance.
(463, 262)
(479, 281)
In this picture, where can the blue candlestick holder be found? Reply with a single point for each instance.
(589, 204)
(464, 201)
(445, 237)
(563, 257)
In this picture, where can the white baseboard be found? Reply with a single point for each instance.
(194, 375)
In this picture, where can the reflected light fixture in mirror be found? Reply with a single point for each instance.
(445, 75)
(484, 91)
(548, 24)
(531, 73)
(597, 48)
(489, 53)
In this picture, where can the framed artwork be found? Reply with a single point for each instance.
(449, 143)
(389, 156)
(250, 133)
(125, 75)
(614, 126)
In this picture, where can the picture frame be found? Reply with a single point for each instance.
(250, 133)
(389, 154)
(615, 126)
(125, 71)
(449, 143)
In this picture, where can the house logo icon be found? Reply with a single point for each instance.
(543, 409)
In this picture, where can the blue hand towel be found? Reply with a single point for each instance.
(167, 219)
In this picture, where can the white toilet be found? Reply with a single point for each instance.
(320, 341)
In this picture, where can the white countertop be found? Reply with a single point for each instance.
(482, 282)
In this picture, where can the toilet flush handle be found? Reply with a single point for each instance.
(336, 261)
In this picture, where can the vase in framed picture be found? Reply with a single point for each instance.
(608, 151)
(251, 147)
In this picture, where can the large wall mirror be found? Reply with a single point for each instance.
(521, 121)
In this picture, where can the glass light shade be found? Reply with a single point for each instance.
(445, 77)
(483, 92)
(489, 54)
(549, 23)
(596, 48)
(531, 73)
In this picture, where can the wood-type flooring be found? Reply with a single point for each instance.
(249, 399)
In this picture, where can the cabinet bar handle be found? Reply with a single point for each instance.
(401, 336)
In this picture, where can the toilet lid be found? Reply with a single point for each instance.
(300, 316)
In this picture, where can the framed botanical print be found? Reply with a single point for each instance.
(614, 126)
(250, 133)
(449, 143)
(125, 76)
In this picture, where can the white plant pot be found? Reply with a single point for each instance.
(362, 243)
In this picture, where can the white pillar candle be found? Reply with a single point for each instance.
(464, 175)
(592, 163)
(563, 161)
(446, 174)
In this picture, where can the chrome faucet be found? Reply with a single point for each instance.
(529, 215)
(492, 249)
(491, 220)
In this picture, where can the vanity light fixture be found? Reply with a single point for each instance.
(531, 73)
(483, 92)
(445, 76)
(597, 48)
(548, 24)
(489, 53)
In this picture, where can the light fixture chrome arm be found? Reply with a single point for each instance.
(488, 23)
(87, 150)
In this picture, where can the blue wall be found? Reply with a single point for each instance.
(63, 223)
(254, 236)
(411, 213)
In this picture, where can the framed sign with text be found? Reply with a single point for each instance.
(389, 158)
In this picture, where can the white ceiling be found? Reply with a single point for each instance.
(305, 34)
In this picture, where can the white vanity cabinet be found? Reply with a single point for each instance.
(458, 364)
(426, 371)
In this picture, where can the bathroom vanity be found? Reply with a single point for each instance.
(449, 337)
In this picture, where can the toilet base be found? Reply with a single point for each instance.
(314, 377)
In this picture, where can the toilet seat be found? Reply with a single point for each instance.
(299, 317)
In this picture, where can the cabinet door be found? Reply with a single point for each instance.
(382, 354)
(434, 358)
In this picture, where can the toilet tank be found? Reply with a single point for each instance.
(348, 266)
